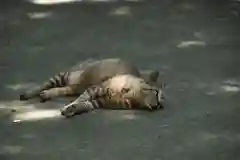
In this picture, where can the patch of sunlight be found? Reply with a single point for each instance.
(16, 105)
(211, 93)
(24, 111)
(215, 136)
(223, 89)
(37, 114)
(121, 115)
(209, 136)
(231, 85)
(186, 44)
(229, 88)
(19, 86)
(13, 149)
(129, 116)
(121, 11)
(232, 82)
(39, 15)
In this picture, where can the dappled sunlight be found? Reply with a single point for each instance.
(20, 86)
(210, 93)
(24, 111)
(39, 15)
(231, 85)
(207, 136)
(232, 82)
(186, 44)
(11, 149)
(37, 114)
(225, 87)
(121, 11)
(228, 88)
(16, 105)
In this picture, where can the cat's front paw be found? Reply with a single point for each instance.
(43, 97)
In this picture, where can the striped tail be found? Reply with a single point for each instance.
(59, 80)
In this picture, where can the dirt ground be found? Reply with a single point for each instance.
(194, 44)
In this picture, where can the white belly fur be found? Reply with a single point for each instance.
(124, 81)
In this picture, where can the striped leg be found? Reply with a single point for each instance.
(72, 109)
(34, 92)
(59, 80)
(96, 97)
(87, 101)
(85, 104)
(56, 92)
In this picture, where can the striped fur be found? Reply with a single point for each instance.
(85, 74)
(120, 92)
(58, 80)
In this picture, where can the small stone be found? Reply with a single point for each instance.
(208, 114)
(17, 121)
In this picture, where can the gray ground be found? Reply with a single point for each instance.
(194, 44)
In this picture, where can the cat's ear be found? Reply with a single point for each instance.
(150, 76)
(153, 76)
